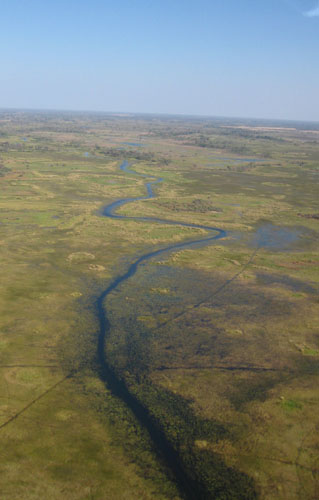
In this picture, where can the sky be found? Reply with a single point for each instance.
(233, 58)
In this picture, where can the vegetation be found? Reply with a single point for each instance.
(218, 343)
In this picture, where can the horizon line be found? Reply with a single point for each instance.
(149, 113)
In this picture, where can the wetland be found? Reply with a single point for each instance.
(159, 332)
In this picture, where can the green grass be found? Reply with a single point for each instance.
(291, 405)
(220, 343)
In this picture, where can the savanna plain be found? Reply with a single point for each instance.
(196, 375)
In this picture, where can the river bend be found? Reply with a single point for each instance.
(117, 385)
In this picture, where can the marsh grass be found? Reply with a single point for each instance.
(220, 342)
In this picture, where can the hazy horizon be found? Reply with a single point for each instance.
(159, 114)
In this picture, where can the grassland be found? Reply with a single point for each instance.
(219, 342)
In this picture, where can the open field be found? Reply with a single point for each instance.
(218, 342)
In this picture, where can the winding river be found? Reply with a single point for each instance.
(188, 488)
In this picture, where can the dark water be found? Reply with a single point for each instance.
(135, 144)
(238, 160)
(188, 487)
(275, 237)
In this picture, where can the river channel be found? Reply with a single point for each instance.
(187, 486)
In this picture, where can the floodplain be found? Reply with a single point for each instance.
(217, 343)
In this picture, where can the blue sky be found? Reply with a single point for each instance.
(247, 58)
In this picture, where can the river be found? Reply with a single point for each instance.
(187, 486)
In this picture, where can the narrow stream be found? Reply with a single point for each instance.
(189, 489)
